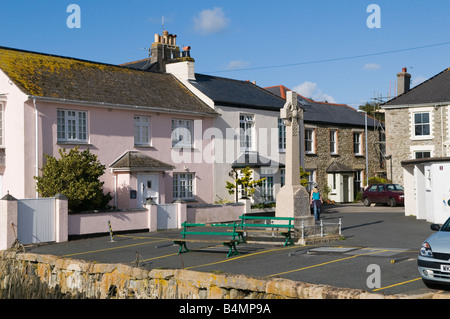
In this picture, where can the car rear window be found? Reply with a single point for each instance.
(394, 187)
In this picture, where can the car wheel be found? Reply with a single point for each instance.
(392, 202)
(366, 201)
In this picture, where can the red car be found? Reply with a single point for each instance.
(391, 194)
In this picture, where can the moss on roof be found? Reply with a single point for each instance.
(59, 77)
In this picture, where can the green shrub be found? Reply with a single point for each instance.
(377, 180)
(76, 175)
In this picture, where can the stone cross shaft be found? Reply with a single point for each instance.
(293, 199)
(291, 114)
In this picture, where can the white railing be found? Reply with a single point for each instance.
(312, 231)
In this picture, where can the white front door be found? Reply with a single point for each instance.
(147, 188)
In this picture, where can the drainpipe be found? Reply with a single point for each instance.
(36, 125)
(115, 189)
(442, 134)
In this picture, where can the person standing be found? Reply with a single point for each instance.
(316, 201)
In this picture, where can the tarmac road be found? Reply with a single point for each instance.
(378, 254)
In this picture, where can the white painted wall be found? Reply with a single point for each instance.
(427, 191)
(409, 191)
(438, 207)
(17, 155)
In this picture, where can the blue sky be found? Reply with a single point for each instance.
(323, 49)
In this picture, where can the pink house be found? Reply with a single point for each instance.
(145, 127)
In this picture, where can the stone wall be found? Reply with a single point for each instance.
(26, 276)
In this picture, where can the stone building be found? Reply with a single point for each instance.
(335, 148)
(417, 124)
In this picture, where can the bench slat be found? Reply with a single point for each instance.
(264, 217)
(231, 244)
(269, 227)
(207, 233)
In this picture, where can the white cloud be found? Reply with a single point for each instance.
(310, 90)
(372, 66)
(306, 89)
(237, 64)
(211, 21)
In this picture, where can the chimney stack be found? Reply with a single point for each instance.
(164, 49)
(403, 82)
(170, 58)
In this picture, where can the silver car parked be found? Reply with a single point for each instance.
(434, 256)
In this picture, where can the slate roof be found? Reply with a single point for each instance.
(327, 113)
(138, 162)
(434, 90)
(144, 64)
(336, 167)
(236, 93)
(50, 76)
(254, 160)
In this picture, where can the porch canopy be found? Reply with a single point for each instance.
(337, 167)
(133, 161)
(254, 160)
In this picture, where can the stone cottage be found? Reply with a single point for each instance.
(417, 121)
(335, 147)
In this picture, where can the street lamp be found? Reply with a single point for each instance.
(367, 150)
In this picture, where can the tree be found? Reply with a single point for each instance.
(246, 182)
(372, 110)
(76, 175)
(304, 177)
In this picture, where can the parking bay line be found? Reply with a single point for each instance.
(244, 256)
(114, 248)
(174, 254)
(326, 263)
(399, 284)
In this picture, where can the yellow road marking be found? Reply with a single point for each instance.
(243, 256)
(114, 248)
(238, 257)
(325, 263)
(170, 255)
(399, 284)
(174, 254)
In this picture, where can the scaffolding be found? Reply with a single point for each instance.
(380, 144)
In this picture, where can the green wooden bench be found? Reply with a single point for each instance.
(229, 241)
(247, 222)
